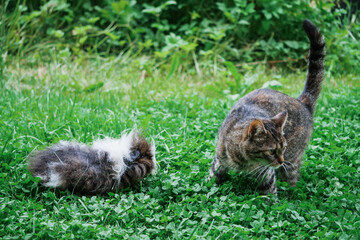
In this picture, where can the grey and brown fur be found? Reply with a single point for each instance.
(268, 130)
(106, 166)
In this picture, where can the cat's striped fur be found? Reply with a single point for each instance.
(106, 166)
(268, 130)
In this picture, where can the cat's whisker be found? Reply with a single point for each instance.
(266, 168)
(265, 174)
(255, 170)
(259, 172)
(268, 171)
(260, 169)
(290, 165)
(284, 166)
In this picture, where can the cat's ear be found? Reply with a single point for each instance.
(255, 128)
(280, 120)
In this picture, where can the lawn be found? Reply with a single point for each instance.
(88, 98)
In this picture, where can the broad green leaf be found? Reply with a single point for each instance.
(82, 40)
(148, 70)
(81, 30)
(292, 44)
(146, 44)
(118, 7)
(267, 15)
(93, 87)
(244, 22)
(93, 20)
(189, 47)
(112, 36)
(175, 63)
(232, 69)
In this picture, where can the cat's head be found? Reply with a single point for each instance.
(265, 142)
(142, 152)
(141, 161)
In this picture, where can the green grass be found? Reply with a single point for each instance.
(42, 104)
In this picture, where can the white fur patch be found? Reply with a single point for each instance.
(68, 144)
(153, 149)
(118, 149)
(63, 144)
(55, 179)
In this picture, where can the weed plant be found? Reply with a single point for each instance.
(239, 31)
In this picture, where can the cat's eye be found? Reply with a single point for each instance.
(272, 151)
(135, 154)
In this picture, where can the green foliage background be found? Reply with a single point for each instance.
(235, 30)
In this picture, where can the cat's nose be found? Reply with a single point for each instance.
(281, 159)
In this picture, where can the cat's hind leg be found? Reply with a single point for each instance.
(218, 171)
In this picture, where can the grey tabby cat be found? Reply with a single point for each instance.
(268, 130)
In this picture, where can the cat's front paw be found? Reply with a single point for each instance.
(218, 179)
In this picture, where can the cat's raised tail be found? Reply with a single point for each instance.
(316, 64)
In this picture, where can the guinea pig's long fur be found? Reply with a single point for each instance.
(106, 166)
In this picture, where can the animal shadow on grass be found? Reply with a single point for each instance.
(241, 184)
(56, 193)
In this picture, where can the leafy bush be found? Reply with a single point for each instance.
(236, 30)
